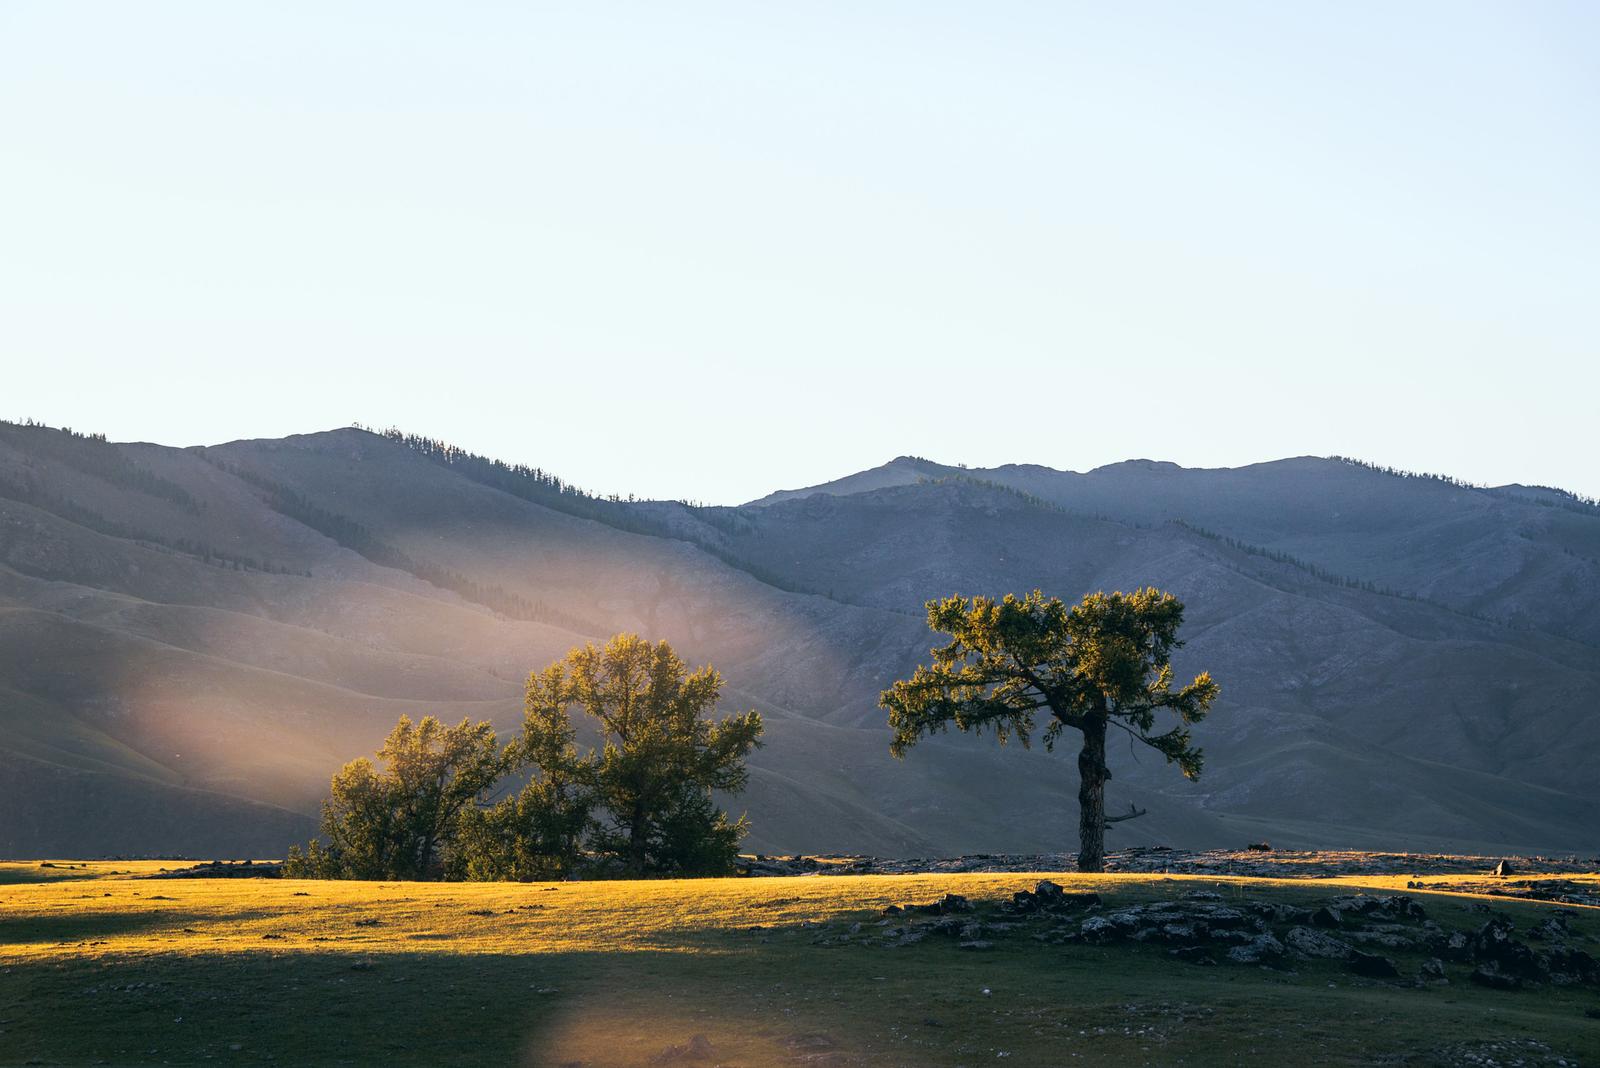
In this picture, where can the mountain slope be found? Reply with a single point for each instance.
(208, 633)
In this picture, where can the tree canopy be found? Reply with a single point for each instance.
(1103, 663)
(639, 803)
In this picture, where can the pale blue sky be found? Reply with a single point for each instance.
(709, 250)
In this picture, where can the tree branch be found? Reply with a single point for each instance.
(1134, 812)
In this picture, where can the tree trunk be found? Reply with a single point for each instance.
(1092, 776)
(636, 839)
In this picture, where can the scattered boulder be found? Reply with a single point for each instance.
(950, 903)
(1494, 945)
(1553, 929)
(1432, 971)
(1049, 895)
(1262, 949)
(1373, 966)
(1490, 976)
(1310, 943)
(1503, 869)
(1567, 966)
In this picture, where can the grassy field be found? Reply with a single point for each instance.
(100, 967)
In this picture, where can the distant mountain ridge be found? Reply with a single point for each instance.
(192, 639)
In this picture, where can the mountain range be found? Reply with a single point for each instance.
(193, 639)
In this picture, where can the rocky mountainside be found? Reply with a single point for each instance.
(191, 640)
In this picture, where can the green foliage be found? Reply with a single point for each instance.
(405, 822)
(661, 758)
(1106, 662)
(538, 833)
(642, 804)
(1108, 657)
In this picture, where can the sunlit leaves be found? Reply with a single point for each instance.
(1010, 661)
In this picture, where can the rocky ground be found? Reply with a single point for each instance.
(1203, 927)
(1254, 863)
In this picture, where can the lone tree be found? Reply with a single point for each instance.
(1104, 663)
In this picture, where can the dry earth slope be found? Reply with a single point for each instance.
(192, 639)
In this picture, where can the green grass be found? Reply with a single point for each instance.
(107, 969)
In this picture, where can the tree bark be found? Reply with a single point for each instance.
(636, 839)
(1092, 776)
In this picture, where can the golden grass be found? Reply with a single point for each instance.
(97, 965)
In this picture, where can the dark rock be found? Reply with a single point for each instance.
(954, 903)
(1309, 943)
(1504, 868)
(1490, 976)
(1259, 847)
(1262, 949)
(1327, 917)
(944, 906)
(1373, 966)
(1570, 966)
(1494, 944)
(1098, 930)
(1216, 917)
(1432, 971)
(1554, 928)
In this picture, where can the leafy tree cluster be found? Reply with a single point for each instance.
(93, 455)
(446, 803)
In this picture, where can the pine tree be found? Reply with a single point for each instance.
(1104, 663)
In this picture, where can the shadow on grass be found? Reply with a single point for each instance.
(74, 927)
(593, 1009)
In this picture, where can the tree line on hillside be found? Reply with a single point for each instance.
(453, 803)
(93, 455)
(538, 486)
(358, 539)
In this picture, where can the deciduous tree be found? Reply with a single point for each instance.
(403, 821)
(661, 757)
